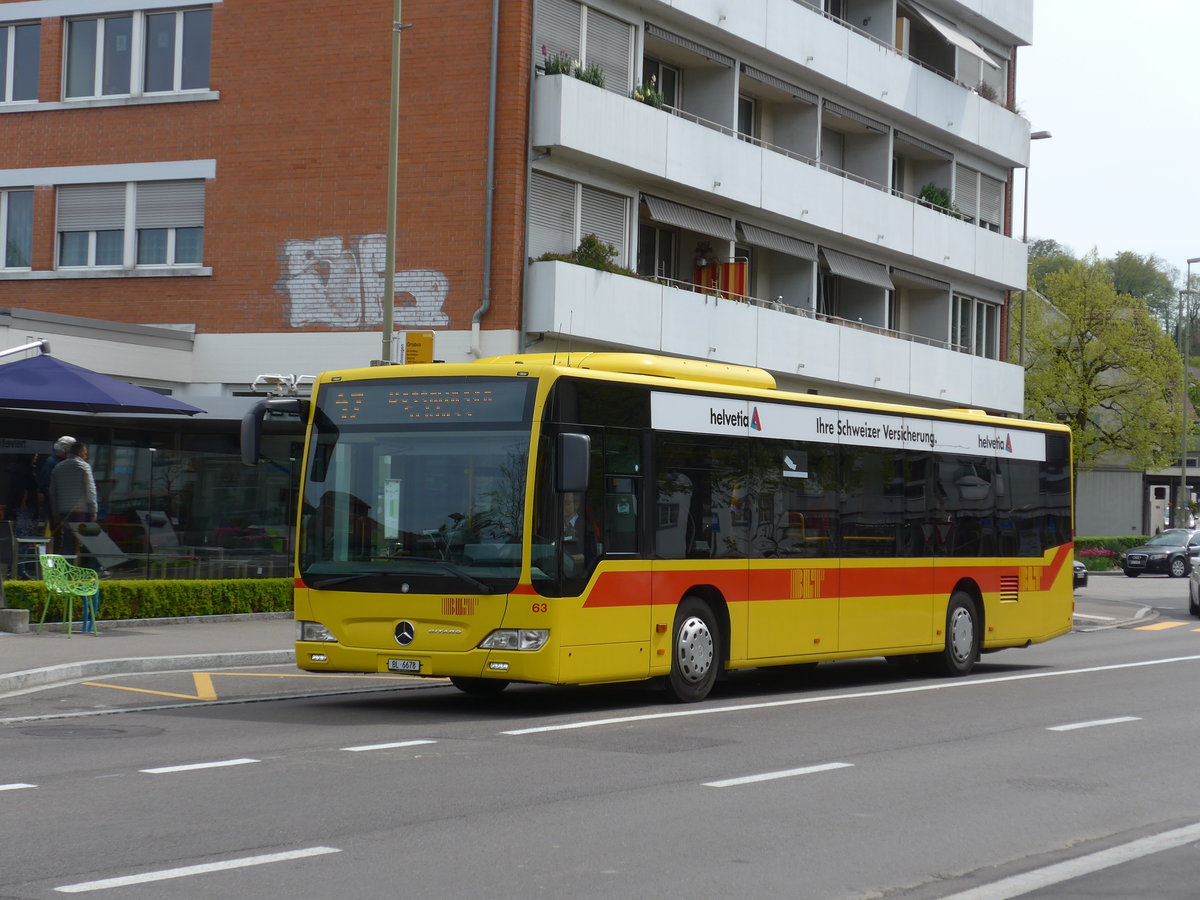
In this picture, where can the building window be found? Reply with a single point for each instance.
(16, 228)
(975, 328)
(747, 117)
(153, 223)
(561, 213)
(138, 53)
(665, 78)
(656, 252)
(19, 59)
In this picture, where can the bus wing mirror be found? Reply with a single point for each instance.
(252, 423)
(574, 452)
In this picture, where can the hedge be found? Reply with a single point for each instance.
(1099, 554)
(163, 599)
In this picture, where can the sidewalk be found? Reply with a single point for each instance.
(152, 645)
(211, 642)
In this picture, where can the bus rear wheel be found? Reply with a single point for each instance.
(695, 651)
(479, 687)
(962, 636)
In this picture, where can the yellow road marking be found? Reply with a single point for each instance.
(1159, 626)
(205, 690)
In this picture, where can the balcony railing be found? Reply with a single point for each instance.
(779, 306)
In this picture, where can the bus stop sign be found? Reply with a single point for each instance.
(418, 347)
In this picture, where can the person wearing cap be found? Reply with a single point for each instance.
(61, 450)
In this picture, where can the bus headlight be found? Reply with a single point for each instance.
(313, 631)
(516, 639)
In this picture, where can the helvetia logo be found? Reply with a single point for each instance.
(755, 422)
(1008, 441)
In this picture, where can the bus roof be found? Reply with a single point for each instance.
(648, 367)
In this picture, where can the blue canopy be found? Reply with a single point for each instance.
(43, 382)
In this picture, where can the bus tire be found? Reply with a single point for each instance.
(478, 687)
(962, 636)
(695, 651)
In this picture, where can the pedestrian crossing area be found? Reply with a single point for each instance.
(1165, 626)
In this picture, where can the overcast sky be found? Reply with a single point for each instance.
(1117, 84)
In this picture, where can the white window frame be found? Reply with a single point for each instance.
(4, 226)
(8, 37)
(137, 54)
(979, 322)
(129, 242)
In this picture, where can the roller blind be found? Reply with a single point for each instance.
(551, 215)
(91, 207)
(556, 26)
(604, 215)
(170, 204)
(610, 45)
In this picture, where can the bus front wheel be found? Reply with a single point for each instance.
(480, 687)
(962, 636)
(695, 651)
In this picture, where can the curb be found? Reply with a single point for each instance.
(78, 671)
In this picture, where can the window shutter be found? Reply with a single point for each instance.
(556, 27)
(609, 44)
(966, 191)
(170, 204)
(991, 199)
(551, 215)
(604, 215)
(91, 207)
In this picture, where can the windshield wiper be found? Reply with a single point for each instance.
(318, 581)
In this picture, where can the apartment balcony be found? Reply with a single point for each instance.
(870, 65)
(571, 302)
(586, 126)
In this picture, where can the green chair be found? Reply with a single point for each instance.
(69, 581)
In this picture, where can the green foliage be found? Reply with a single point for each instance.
(1149, 279)
(163, 599)
(593, 253)
(1098, 362)
(937, 196)
(649, 94)
(1045, 258)
(560, 63)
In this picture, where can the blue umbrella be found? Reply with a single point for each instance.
(43, 382)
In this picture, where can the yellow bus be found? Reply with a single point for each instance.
(584, 518)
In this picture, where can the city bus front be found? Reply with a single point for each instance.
(412, 533)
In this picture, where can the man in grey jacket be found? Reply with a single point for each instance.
(72, 497)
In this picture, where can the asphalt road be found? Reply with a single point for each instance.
(1063, 770)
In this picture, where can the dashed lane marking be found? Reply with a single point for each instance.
(1160, 626)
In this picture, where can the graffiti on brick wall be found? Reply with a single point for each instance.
(332, 281)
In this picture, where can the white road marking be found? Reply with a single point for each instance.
(391, 746)
(1095, 723)
(164, 770)
(858, 695)
(771, 776)
(185, 871)
(16, 787)
(1017, 885)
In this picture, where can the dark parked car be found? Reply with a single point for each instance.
(1080, 574)
(1170, 553)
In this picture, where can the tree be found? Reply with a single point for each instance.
(1149, 279)
(1046, 257)
(1098, 361)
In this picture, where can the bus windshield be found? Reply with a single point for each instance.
(417, 484)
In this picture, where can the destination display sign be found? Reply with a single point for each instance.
(753, 418)
(411, 401)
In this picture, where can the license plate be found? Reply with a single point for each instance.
(404, 665)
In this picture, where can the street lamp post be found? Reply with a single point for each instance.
(1182, 508)
(1036, 136)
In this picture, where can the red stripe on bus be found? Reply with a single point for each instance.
(625, 589)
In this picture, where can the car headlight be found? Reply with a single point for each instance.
(1158, 556)
(313, 631)
(516, 639)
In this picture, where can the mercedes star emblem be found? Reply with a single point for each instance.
(405, 632)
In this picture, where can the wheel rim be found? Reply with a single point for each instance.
(962, 634)
(1177, 568)
(695, 651)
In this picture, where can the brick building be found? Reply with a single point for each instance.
(194, 195)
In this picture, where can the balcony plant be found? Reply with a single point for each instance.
(649, 94)
(592, 253)
(937, 197)
(560, 63)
